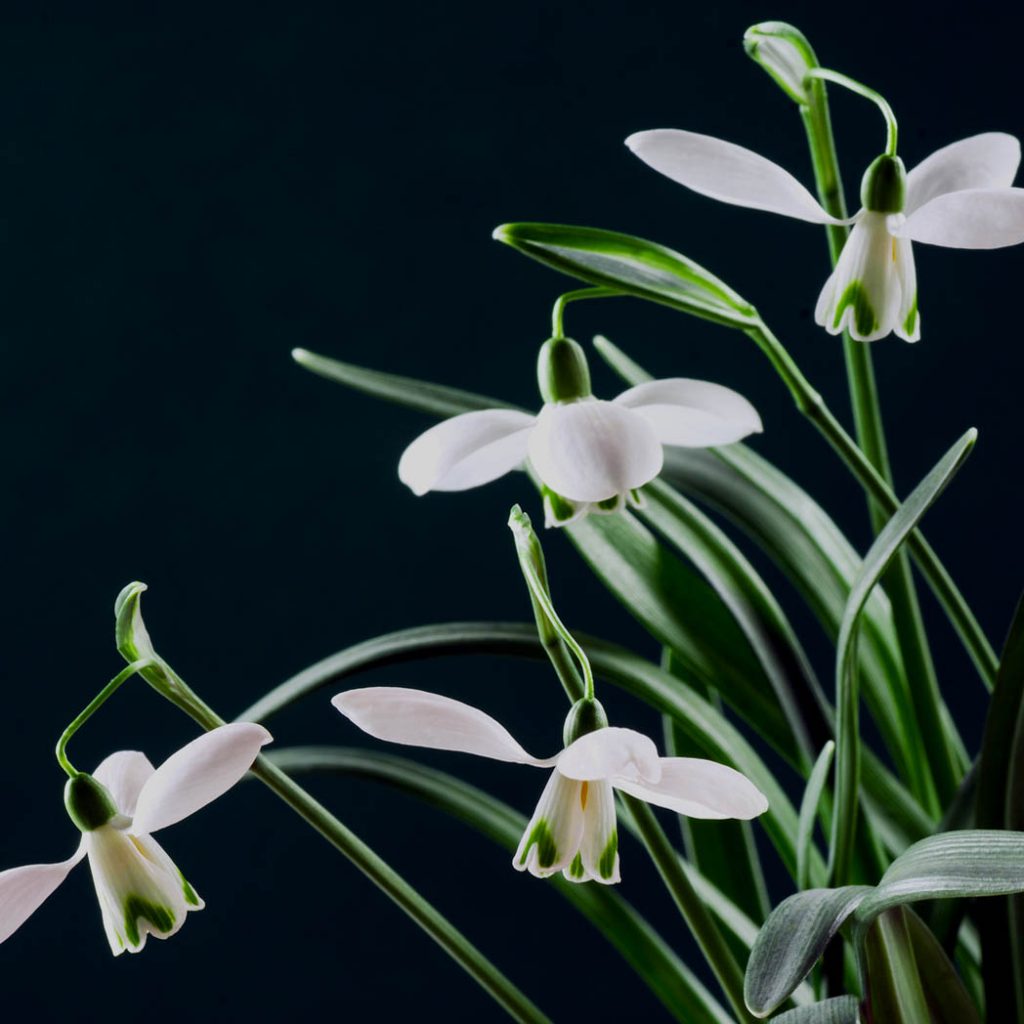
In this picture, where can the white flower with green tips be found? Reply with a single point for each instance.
(591, 455)
(573, 829)
(140, 890)
(960, 197)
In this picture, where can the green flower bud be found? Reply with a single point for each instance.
(88, 802)
(585, 716)
(562, 371)
(884, 187)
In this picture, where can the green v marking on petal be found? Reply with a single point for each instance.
(547, 851)
(576, 869)
(606, 865)
(191, 896)
(911, 321)
(161, 918)
(863, 312)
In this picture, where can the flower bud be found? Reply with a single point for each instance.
(585, 716)
(89, 803)
(783, 51)
(884, 187)
(562, 371)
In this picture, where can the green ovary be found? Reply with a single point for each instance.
(863, 312)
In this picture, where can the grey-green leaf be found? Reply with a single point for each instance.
(840, 1010)
(809, 812)
(792, 940)
(632, 266)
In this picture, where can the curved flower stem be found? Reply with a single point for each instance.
(91, 708)
(697, 916)
(899, 584)
(892, 132)
(518, 1006)
(558, 310)
(811, 404)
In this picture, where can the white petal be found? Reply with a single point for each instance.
(200, 772)
(466, 451)
(598, 857)
(727, 172)
(553, 835)
(699, 789)
(140, 890)
(611, 752)
(908, 319)
(593, 450)
(420, 719)
(989, 160)
(23, 890)
(693, 413)
(124, 774)
(974, 218)
(863, 294)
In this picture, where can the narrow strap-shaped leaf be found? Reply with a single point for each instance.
(894, 987)
(792, 940)
(809, 812)
(975, 862)
(947, 998)
(641, 946)
(633, 266)
(840, 1010)
(877, 560)
(1000, 804)
(752, 605)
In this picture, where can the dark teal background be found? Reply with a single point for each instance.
(188, 193)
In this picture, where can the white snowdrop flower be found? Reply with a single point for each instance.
(573, 829)
(960, 197)
(140, 890)
(591, 455)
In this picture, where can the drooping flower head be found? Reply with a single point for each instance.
(591, 455)
(140, 890)
(960, 197)
(573, 829)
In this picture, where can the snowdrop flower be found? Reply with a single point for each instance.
(141, 891)
(573, 829)
(591, 455)
(959, 197)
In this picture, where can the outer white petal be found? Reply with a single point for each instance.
(611, 753)
(200, 772)
(553, 835)
(598, 857)
(124, 774)
(592, 450)
(989, 160)
(693, 413)
(140, 890)
(700, 789)
(863, 294)
(974, 218)
(420, 719)
(23, 890)
(727, 172)
(908, 319)
(466, 451)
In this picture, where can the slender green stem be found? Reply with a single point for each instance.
(862, 90)
(558, 310)
(697, 916)
(811, 404)
(518, 1006)
(91, 708)
(936, 781)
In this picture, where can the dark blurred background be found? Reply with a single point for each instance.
(192, 191)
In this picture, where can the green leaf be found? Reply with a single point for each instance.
(809, 812)
(877, 560)
(840, 1010)
(716, 737)
(792, 940)
(1000, 804)
(894, 987)
(435, 399)
(947, 998)
(630, 265)
(641, 946)
(975, 862)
